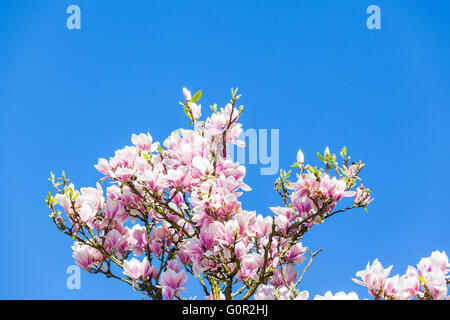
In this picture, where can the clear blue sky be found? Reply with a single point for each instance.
(308, 68)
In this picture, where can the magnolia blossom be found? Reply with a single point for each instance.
(438, 261)
(164, 209)
(82, 256)
(435, 283)
(432, 274)
(114, 239)
(362, 196)
(341, 295)
(374, 278)
(142, 141)
(172, 282)
(87, 211)
(428, 281)
(136, 269)
(270, 292)
(196, 110)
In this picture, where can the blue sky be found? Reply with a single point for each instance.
(311, 69)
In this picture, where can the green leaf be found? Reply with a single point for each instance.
(320, 157)
(288, 173)
(197, 96)
(186, 111)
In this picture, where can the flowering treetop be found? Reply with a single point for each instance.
(173, 209)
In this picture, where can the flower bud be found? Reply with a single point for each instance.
(300, 157)
(187, 94)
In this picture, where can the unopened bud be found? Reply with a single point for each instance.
(300, 157)
(187, 94)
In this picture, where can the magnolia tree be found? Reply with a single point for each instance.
(171, 213)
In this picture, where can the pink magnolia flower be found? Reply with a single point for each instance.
(151, 272)
(94, 196)
(183, 255)
(174, 265)
(334, 188)
(172, 282)
(242, 250)
(64, 202)
(196, 110)
(154, 180)
(264, 292)
(124, 158)
(123, 174)
(341, 295)
(436, 284)
(270, 292)
(113, 240)
(200, 167)
(142, 141)
(287, 278)
(135, 269)
(249, 265)
(114, 210)
(283, 217)
(87, 211)
(82, 255)
(437, 261)
(430, 274)
(103, 167)
(262, 226)
(362, 196)
(327, 187)
(295, 254)
(374, 278)
(138, 239)
(178, 177)
(156, 248)
(305, 207)
(401, 288)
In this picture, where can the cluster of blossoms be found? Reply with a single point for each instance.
(173, 210)
(428, 281)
